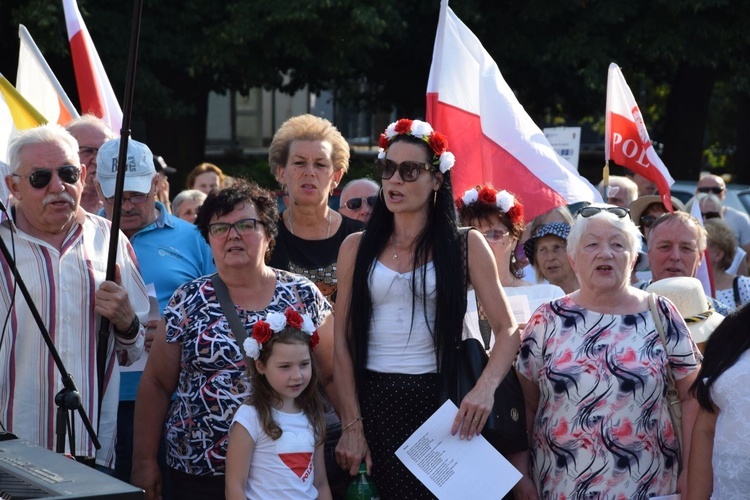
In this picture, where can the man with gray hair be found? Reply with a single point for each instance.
(621, 192)
(357, 199)
(90, 132)
(62, 251)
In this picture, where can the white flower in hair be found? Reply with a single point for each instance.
(307, 324)
(470, 196)
(381, 153)
(420, 128)
(277, 321)
(252, 348)
(447, 160)
(390, 131)
(505, 201)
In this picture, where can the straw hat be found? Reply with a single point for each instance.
(688, 296)
(641, 203)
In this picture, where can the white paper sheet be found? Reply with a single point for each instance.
(454, 468)
(519, 304)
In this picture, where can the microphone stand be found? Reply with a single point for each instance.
(68, 399)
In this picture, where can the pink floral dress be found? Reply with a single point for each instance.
(602, 428)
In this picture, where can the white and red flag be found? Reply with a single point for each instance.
(492, 136)
(38, 84)
(703, 273)
(94, 89)
(626, 139)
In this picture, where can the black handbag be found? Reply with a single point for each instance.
(505, 428)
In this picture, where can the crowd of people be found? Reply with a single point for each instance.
(241, 351)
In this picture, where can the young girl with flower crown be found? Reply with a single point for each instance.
(276, 438)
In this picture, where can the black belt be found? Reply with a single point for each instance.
(91, 462)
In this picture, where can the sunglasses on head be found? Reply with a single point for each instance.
(711, 215)
(408, 170)
(356, 203)
(39, 179)
(590, 211)
(714, 190)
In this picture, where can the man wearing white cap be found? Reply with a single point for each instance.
(170, 252)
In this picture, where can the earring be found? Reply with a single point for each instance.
(513, 258)
(434, 197)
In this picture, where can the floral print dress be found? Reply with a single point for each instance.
(602, 428)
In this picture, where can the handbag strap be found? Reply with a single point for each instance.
(229, 310)
(736, 289)
(673, 396)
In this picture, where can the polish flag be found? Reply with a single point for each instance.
(704, 272)
(36, 82)
(626, 140)
(94, 89)
(488, 130)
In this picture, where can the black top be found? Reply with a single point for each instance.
(314, 259)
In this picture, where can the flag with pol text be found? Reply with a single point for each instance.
(626, 140)
(492, 136)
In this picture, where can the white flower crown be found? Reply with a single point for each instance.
(274, 323)
(443, 158)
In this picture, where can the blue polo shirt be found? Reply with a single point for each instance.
(170, 252)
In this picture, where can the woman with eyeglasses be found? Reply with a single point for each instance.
(594, 374)
(195, 355)
(401, 304)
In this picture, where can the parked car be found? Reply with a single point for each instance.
(738, 195)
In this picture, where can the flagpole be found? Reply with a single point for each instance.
(119, 185)
(24, 34)
(605, 180)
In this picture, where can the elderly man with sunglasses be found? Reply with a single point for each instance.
(738, 221)
(61, 252)
(357, 199)
(170, 251)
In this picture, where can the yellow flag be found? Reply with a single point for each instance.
(24, 115)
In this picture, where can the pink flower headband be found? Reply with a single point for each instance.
(421, 130)
(276, 322)
(501, 199)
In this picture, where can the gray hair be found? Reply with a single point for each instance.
(356, 182)
(623, 224)
(188, 194)
(93, 121)
(50, 133)
(682, 218)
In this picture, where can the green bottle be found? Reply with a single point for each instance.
(361, 487)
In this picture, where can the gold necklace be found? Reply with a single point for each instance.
(291, 228)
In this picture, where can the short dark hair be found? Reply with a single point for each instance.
(224, 201)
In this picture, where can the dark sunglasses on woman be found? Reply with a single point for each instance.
(647, 220)
(590, 211)
(38, 179)
(408, 170)
(356, 203)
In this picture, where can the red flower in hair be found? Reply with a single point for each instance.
(403, 126)
(487, 195)
(516, 213)
(262, 332)
(438, 143)
(383, 141)
(314, 339)
(293, 318)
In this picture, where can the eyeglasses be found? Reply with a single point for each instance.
(714, 190)
(494, 235)
(711, 215)
(136, 199)
(408, 170)
(243, 227)
(356, 203)
(647, 220)
(87, 151)
(39, 179)
(590, 211)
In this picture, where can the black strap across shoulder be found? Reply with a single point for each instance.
(229, 310)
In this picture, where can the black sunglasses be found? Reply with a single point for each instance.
(714, 190)
(647, 220)
(711, 215)
(356, 203)
(39, 179)
(408, 170)
(590, 211)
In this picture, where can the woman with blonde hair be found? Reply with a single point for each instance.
(206, 177)
(722, 247)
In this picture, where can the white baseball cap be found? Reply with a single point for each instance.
(140, 167)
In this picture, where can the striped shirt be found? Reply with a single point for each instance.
(62, 284)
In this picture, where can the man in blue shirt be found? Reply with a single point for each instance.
(170, 252)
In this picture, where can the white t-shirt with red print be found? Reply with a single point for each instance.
(281, 468)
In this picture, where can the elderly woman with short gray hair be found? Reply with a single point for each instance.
(594, 374)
